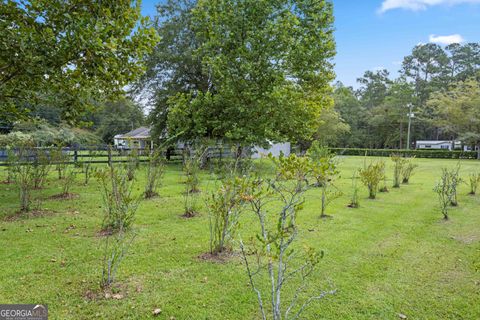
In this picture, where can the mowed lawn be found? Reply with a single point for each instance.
(392, 256)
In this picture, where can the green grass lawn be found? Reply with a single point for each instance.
(394, 255)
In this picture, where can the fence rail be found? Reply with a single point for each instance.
(105, 155)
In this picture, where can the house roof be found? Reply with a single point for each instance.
(139, 133)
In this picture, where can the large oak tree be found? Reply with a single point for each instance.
(68, 53)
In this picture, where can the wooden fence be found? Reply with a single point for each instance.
(107, 155)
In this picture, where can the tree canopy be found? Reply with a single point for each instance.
(258, 70)
(69, 53)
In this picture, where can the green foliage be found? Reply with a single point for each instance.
(324, 170)
(117, 117)
(458, 111)
(445, 192)
(250, 52)
(419, 153)
(474, 181)
(60, 159)
(155, 171)
(192, 160)
(377, 111)
(42, 134)
(68, 179)
(372, 175)
(455, 181)
(275, 264)
(69, 54)
(354, 201)
(225, 207)
(132, 163)
(119, 203)
(399, 167)
(41, 167)
(408, 169)
(24, 176)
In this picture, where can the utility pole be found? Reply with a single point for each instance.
(410, 116)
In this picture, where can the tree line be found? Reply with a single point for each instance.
(440, 83)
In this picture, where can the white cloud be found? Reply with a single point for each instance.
(417, 5)
(446, 40)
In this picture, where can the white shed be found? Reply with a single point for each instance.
(275, 149)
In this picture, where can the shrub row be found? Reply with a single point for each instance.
(440, 154)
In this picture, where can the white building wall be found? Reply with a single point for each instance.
(276, 149)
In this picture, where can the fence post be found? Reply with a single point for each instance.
(75, 156)
(109, 156)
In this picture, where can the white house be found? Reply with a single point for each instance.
(135, 139)
(440, 144)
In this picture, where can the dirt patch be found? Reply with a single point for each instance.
(117, 291)
(28, 215)
(64, 196)
(104, 233)
(223, 257)
(325, 217)
(190, 214)
(467, 239)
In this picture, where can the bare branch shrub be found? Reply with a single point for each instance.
(408, 169)
(60, 159)
(224, 207)
(115, 248)
(155, 171)
(270, 258)
(24, 175)
(443, 188)
(132, 163)
(455, 181)
(120, 205)
(474, 181)
(41, 167)
(192, 160)
(398, 167)
(354, 200)
(69, 175)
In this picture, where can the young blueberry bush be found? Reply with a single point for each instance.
(408, 169)
(225, 206)
(155, 171)
(455, 181)
(371, 175)
(23, 173)
(120, 204)
(272, 259)
(323, 168)
(192, 160)
(398, 166)
(444, 190)
(354, 200)
(473, 181)
(41, 167)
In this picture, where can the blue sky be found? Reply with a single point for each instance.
(372, 34)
